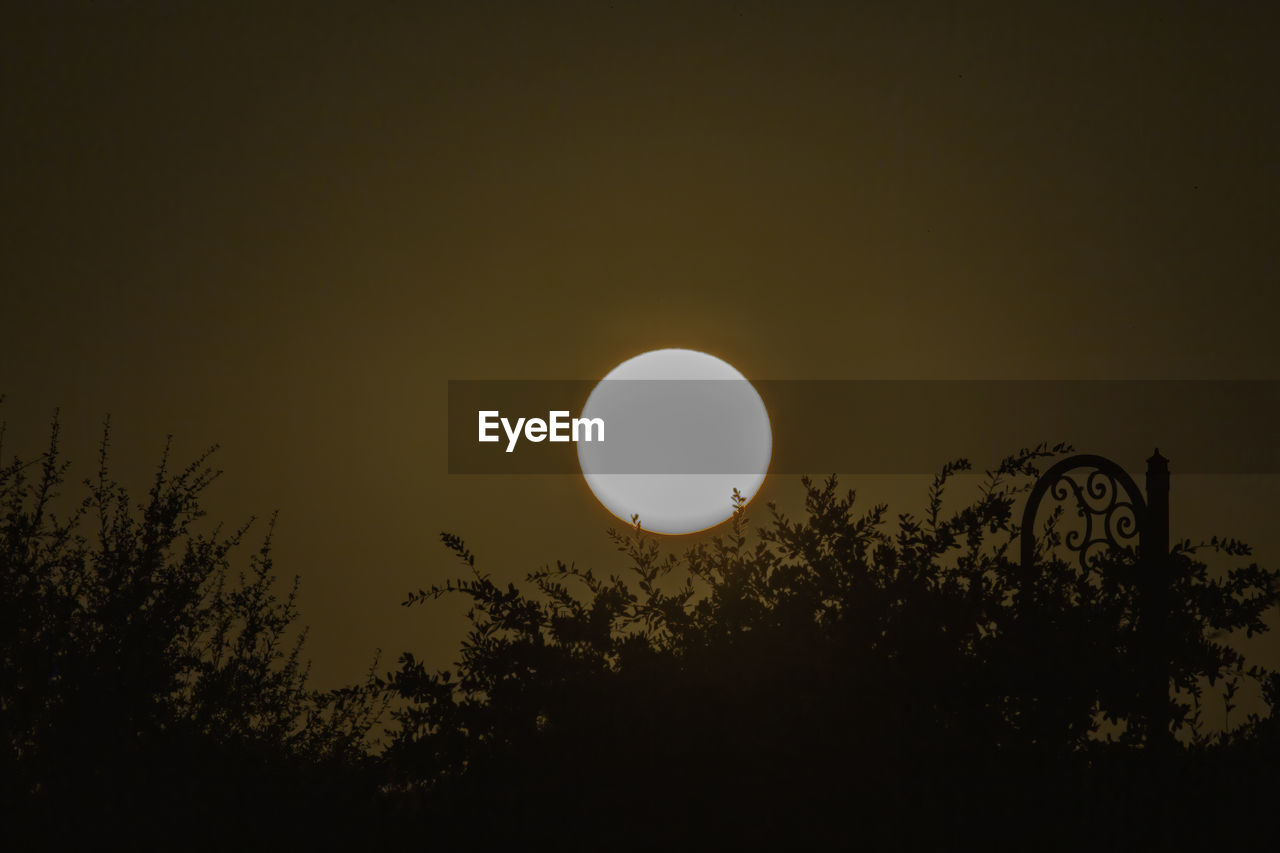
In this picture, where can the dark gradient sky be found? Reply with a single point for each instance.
(283, 228)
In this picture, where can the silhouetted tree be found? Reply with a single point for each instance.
(839, 679)
(843, 678)
(146, 684)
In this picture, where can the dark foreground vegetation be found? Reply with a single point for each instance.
(842, 679)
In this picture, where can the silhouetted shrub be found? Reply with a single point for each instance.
(839, 679)
(846, 678)
(145, 682)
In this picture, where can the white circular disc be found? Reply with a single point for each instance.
(683, 429)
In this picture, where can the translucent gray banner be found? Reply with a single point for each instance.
(859, 426)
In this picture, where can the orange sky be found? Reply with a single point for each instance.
(284, 229)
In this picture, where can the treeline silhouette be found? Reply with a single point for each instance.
(151, 694)
(843, 679)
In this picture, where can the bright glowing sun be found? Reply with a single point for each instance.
(684, 430)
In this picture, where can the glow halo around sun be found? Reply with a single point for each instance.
(683, 430)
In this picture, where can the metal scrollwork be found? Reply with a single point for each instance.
(1114, 512)
(1109, 518)
(1107, 499)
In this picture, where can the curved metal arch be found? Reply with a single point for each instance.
(1056, 475)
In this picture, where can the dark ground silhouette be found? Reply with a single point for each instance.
(841, 679)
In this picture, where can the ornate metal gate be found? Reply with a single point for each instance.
(1115, 513)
